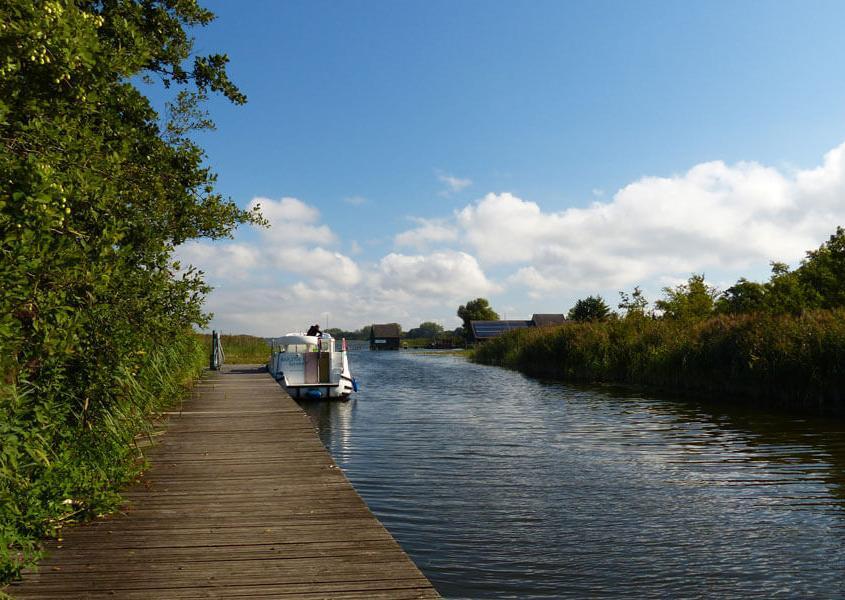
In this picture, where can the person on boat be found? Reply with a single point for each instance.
(315, 330)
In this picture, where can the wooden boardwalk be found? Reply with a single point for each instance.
(241, 501)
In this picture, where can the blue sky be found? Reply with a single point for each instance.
(530, 152)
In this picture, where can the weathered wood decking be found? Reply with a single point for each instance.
(241, 501)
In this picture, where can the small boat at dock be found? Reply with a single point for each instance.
(311, 367)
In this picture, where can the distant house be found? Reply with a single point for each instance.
(487, 330)
(547, 320)
(385, 337)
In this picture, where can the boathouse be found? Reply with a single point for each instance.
(385, 337)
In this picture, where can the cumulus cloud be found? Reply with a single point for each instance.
(317, 262)
(228, 261)
(292, 221)
(714, 216)
(427, 232)
(293, 245)
(440, 275)
(453, 184)
(727, 218)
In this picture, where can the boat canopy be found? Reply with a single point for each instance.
(300, 339)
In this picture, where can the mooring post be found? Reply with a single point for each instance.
(214, 362)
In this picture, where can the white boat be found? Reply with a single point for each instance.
(310, 367)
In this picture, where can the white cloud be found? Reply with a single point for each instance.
(428, 231)
(244, 273)
(292, 221)
(355, 200)
(229, 260)
(725, 220)
(439, 275)
(453, 184)
(714, 216)
(317, 263)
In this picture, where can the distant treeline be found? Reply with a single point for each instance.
(782, 342)
(426, 332)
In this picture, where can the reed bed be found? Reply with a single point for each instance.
(777, 359)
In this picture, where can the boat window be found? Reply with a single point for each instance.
(299, 348)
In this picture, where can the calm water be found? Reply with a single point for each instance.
(500, 486)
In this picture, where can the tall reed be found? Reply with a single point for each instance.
(64, 456)
(779, 359)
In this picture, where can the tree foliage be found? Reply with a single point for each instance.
(634, 304)
(476, 310)
(693, 300)
(95, 193)
(591, 308)
(427, 329)
(818, 282)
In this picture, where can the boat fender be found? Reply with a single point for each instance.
(354, 385)
(314, 394)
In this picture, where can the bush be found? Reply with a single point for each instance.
(95, 193)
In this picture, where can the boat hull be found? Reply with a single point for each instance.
(317, 391)
(310, 368)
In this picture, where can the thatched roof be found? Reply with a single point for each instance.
(544, 320)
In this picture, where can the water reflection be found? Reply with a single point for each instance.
(333, 420)
(503, 486)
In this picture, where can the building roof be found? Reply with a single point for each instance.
(485, 330)
(388, 330)
(546, 319)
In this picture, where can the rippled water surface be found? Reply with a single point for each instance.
(501, 486)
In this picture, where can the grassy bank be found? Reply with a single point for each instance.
(239, 349)
(64, 458)
(777, 359)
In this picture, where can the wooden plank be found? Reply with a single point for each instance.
(368, 588)
(241, 501)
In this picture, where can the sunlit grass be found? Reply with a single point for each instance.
(240, 349)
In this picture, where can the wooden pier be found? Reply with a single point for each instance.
(241, 501)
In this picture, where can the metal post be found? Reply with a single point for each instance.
(214, 362)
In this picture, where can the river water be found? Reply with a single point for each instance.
(502, 486)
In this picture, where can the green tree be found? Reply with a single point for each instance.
(591, 308)
(692, 300)
(786, 292)
(427, 329)
(743, 297)
(96, 191)
(823, 273)
(634, 304)
(476, 310)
